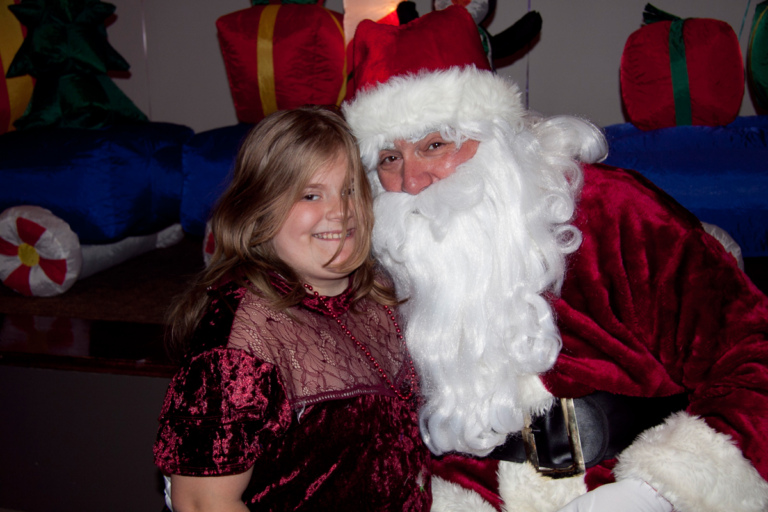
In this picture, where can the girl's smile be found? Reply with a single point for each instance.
(333, 236)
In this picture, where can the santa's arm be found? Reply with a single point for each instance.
(711, 457)
(677, 313)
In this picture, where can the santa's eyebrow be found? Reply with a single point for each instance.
(426, 133)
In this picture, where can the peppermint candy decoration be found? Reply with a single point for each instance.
(39, 254)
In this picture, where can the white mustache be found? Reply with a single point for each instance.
(440, 205)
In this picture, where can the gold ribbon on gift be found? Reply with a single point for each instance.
(343, 91)
(265, 62)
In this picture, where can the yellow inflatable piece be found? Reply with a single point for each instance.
(16, 92)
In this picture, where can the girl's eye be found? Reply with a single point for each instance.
(310, 197)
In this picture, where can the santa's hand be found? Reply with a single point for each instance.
(631, 495)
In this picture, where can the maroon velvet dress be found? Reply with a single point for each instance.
(291, 395)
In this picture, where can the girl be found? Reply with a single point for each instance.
(296, 391)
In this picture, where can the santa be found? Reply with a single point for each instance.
(582, 342)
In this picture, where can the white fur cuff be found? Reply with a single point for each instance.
(523, 489)
(694, 467)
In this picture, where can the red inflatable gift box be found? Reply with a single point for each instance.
(282, 56)
(682, 72)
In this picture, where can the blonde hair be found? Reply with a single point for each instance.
(275, 162)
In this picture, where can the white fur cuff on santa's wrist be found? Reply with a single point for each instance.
(694, 467)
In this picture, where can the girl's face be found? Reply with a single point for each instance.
(312, 232)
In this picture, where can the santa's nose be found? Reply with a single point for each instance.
(417, 175)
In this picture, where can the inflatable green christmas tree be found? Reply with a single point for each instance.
(67, 52)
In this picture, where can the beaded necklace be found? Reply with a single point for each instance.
(403, 396)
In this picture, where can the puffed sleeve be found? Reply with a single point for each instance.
(220, 412)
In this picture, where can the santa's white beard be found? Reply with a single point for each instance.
(473, 255)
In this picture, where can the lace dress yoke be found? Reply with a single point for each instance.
(315, 358)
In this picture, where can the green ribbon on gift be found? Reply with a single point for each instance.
(678, 65)
(680, 89)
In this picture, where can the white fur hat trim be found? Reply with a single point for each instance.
(410, 106)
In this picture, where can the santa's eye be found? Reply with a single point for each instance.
(388, 159)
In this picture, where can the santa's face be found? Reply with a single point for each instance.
(412, 166)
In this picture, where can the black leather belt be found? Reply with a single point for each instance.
(581, 432)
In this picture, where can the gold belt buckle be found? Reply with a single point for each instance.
(531, 453)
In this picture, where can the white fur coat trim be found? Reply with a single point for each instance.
(450, 497)
(523, 489)
(694, 467)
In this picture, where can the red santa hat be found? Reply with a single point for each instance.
(424, 76)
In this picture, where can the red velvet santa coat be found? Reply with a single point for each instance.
(651, 306)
